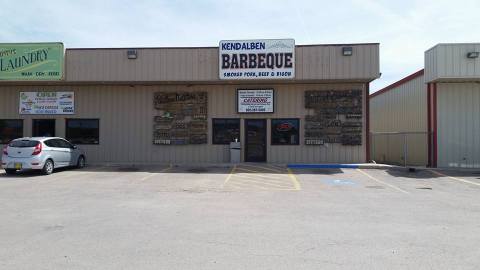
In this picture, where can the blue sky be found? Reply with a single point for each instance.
(405, 29)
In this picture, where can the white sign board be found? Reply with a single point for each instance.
(256, 59)
(47, 103)
(255, 101)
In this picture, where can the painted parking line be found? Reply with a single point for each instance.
(260, 177)
(455, 178)
(229, 176)
(382, 182)
(292, 176)
(56, 176)
(258, 174)
(156, 173)
(276, 170)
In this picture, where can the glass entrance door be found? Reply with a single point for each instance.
(256, 140)
(43, 128)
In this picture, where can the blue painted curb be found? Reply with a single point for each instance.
(323, 166)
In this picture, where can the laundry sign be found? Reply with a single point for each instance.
(31, 61)
(255, 100)
(257, 59)
(47, 103)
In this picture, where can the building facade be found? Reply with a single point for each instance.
(442, 102)
(182, 105)
(398, 122)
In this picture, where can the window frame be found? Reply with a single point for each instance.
(89, 119)
(213, 129)
(23, 129)
(272, 129)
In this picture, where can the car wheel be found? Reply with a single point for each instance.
(10, 171)
(48, 167)
(81, 162)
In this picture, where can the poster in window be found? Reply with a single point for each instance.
(255, 100)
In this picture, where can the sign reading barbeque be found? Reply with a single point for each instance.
(257, 59)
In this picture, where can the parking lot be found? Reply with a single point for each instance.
(248, 216)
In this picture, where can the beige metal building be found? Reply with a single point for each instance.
(443, 102)
(122, 106)
(398, 122)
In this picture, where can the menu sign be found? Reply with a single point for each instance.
(47, 103)
(255, 101)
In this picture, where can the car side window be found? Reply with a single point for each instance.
(62, 144)
(50, 143)
(68, 144)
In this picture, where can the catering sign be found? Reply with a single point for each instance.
(31, 61)
(257, 59)
(255, 101)
(47, 103)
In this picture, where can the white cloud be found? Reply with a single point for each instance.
(405, 29)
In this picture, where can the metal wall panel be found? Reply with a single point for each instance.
(449, 62)
(126, 122)
(402, 109)
(313, 62)
(458, 111)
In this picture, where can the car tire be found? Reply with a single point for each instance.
(48, 167)
(81, 162)
(10, 171)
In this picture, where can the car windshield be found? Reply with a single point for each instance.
(23, 143)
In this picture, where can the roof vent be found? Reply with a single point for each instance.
(347, 51)
(132, 54)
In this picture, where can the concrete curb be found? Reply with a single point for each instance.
(227, 165)
(342, 166)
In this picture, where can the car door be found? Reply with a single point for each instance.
(55, 151)
(66, 151)
(74, 153)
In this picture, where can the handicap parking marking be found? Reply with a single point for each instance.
(260, 177)
(382, 182)
(454, 178)
(339, 182)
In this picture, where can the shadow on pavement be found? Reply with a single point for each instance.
(417, 174)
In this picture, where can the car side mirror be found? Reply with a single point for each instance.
(74, 147)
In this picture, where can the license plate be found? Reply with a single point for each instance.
(18, 166)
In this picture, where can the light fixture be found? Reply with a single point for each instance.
(472, 55)
(347, 51)
(132, 54)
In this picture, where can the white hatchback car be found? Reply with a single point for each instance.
(41, 153)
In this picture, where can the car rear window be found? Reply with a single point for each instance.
(24, 143)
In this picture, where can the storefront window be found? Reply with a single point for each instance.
(285, 131)
(83, 131)
(225, 130)
(10, 130)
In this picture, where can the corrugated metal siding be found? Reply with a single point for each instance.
(126, 122)
(446, 62)
(458, 111)
(401, 109)
(201, 64)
